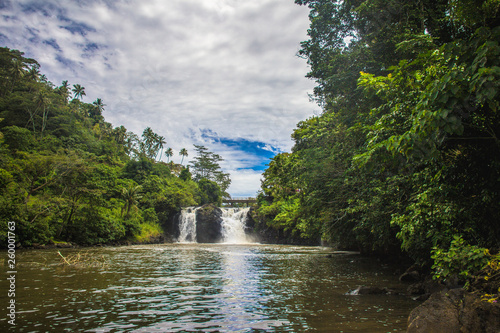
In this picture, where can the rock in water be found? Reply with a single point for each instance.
(209, 224)
(368, 290)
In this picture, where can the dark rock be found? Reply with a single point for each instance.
(209, 224)
(426, 287)
(410, 275)
(438, 314)
(413, 276)
(249, 224)
(455, 311)
(479, 316)
(368, 290)
(250, 221)
(170, 225)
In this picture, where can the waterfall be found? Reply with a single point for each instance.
(226, 225)
(187, 225)
(233, 225)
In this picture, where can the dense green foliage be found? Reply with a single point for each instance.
(67, 175)
(406, 154)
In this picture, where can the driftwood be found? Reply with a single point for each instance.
(82, 259)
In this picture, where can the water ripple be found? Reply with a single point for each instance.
(210, 288)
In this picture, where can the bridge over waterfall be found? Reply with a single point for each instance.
(239, 201)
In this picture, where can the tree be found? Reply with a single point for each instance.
(183, 153)
(169, 153)
(33, 73)
(78, 91)
(405, 155)
(96, 111)
(132, 144)
(63, 90)
(185, 174)
(151, 143)
(131, 195)
(81, 181)
(206, 166)
(211, 192)
(160, 142)
(120, 134)
(13, 68)
(41, 103)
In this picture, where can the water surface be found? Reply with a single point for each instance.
(207, 288)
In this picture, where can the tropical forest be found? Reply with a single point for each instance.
(405, 158)
(68, 176)
(401, 166)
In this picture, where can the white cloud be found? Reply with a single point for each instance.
(179, 66)
(245, 183)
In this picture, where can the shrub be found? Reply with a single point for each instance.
(460, 261)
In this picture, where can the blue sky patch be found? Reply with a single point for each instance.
(52, 42)
(44, 8)
(65, 61)
(263, 151)
(76, 27)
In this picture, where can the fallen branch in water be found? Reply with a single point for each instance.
(82, 259)
(63, 257)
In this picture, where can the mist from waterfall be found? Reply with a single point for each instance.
(232, 225)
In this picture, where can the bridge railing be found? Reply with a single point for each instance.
(239, 201)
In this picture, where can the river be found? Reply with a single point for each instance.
(203, 288)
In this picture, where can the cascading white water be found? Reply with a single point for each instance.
(233, 225)
(187, 225)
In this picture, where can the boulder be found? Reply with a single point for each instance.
(439, 314)
(209, 224)
(455, 310)
(479, 316)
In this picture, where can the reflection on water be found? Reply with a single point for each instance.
(209, 288)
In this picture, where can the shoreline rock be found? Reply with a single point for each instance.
(455, 310)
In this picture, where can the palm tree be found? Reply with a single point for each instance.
(63, 90)
(33, 73)
(78, 91)
(169, 153)
(99, 108)
(131, 196)
(43, 102)
(17, 71)
(183, 153)
(120, 134)
(160, 141)
(146, 144)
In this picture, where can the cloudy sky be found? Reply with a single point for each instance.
(219, 73)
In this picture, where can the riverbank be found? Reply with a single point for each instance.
(450, 307)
